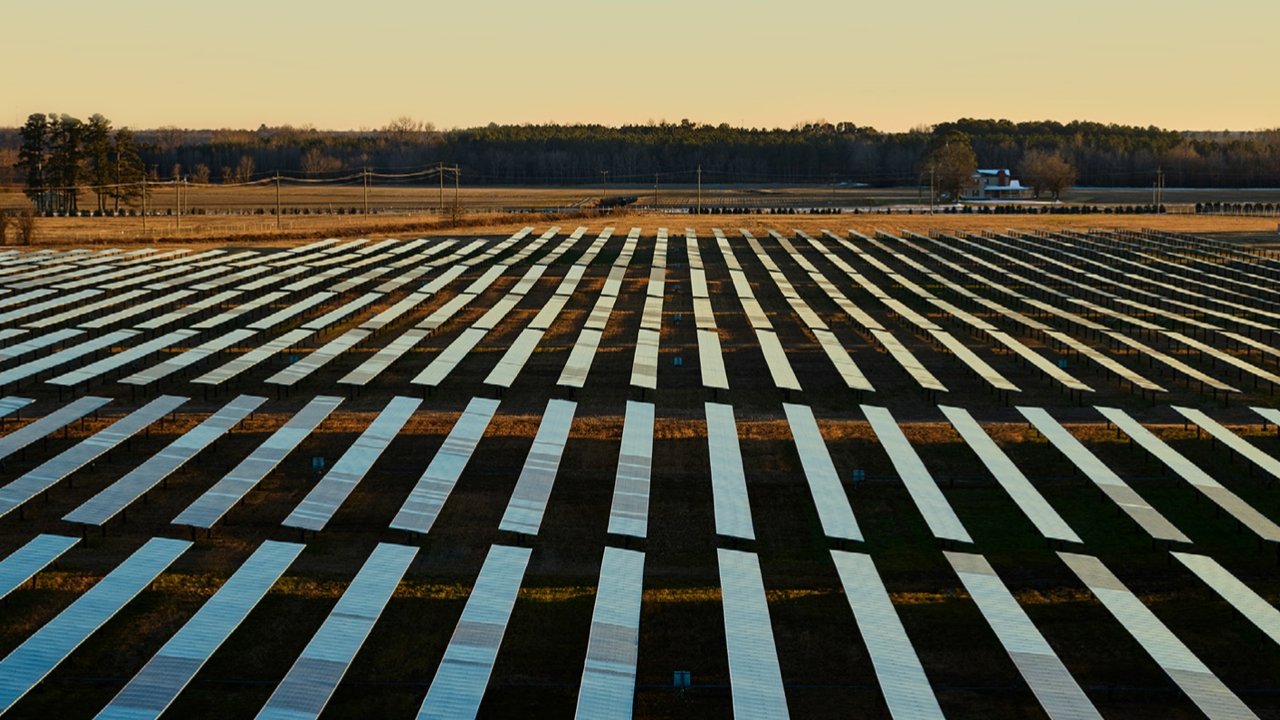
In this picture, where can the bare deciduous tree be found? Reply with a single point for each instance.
(1046, 172)
(244, 171)
(315, 162)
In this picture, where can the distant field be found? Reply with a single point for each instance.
(245, 214)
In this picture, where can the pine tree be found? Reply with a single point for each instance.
(97, 148)
(65, 162)
(128, 168)
(33, 159)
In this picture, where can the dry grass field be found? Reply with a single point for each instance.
(824, 661)
(231, 215)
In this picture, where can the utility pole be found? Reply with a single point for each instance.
(699, 189)
(605, 174)
(932, 194)
(366, 192)
(655, 190)
(144, 201)
(440, 172)
(277, 199)
(457, 181)
(177, 203)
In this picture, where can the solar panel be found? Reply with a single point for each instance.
(320, 504)
(776, 360)
(204, 303)
(47, 647)
(460, 681)
(533, 488)
(100, 508)
(1153, 354)
(711, 360)
(908, 361)
(704, 315)
(291, 310)
(51, 423)
(849, 371)
(902, 680)
(382, 359)
(1039, 361)
(609, 672)
(342, 311)
(1059, 693)
(309, 684)
(423, 505)
(65, 355)
(135, 310)
(187, 358)
(209, 508)
(22, 564)
(321, 356)
(834, 511)
(54, 470)
(644, 368)
(10, 405)
(252, 358)
(988, 374)
(118, 360)
(446, 360)
(42, 307)
(598, 318)
(1105, 361)
(1231, 440)
(1240, 596)
(1021, 491)
(754, 676)
(241, 309)
(86, 309)
(728, 478)
(938, 513)
(629, 513)
(38, 343)
(580, 359)
(8, 334)
(156, 685)
(1189, 471)
(1150, 519)
(1186, 670)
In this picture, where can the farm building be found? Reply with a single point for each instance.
(995, 185)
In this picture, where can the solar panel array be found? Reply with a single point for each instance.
(1186, 670)
(1030, 312)
(155, 686)
(1059, 693)
(310, 682)
(47, 647)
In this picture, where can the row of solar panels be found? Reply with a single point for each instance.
(756, 679)
(774, 354)
(629, 510)
(609, 668)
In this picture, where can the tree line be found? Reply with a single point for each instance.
(59, 154)
(58, 151)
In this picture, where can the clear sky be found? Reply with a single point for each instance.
(894, 65)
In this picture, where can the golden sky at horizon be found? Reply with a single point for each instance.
(1177, 64)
